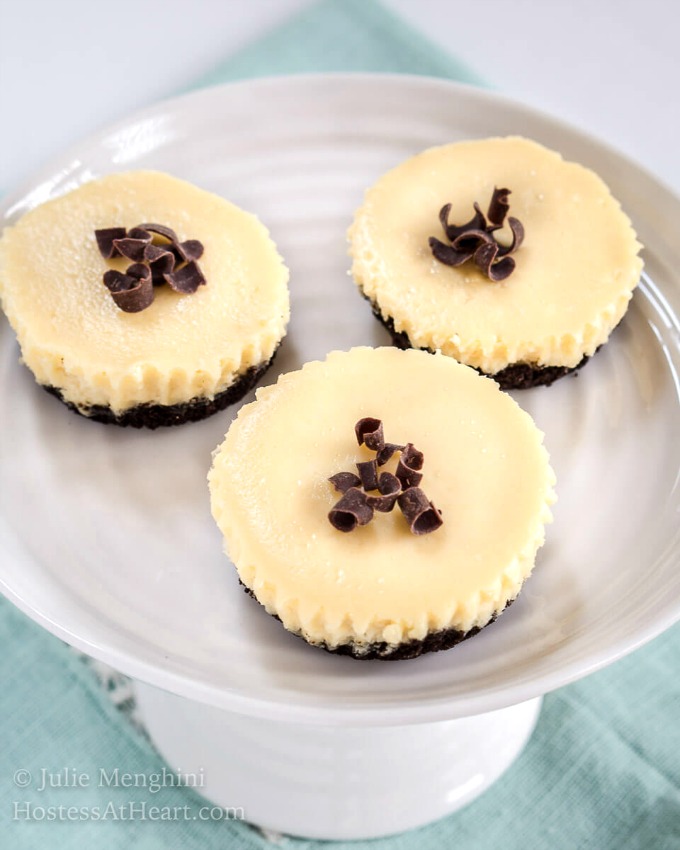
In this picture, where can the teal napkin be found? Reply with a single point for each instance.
(601, 771)
(341, 35)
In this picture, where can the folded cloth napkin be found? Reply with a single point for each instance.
(601, 771)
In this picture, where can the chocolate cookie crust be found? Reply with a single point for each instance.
(432, 642)
(160, 415)
(515, 376)
(382, 651)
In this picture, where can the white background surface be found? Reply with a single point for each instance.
(67, 67)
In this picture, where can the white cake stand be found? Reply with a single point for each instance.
(108, 542)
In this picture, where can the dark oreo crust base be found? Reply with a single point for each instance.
(516, 376)
(159, 415)
(381, 651)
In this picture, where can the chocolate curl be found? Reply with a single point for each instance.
(189, 250)
(342, 481)
(132, 291)
(351, 511)
(421, 514)
(495, 271)
(370, 432)
(106, 237)
(161, 230)
(447, 254)
(517, 229)
(409, 466)
(157, 253)
(470, 241)
(368, 472)
(162, 262)
(356, 507)
(133, 247)
(386, 452)
(474, 240)
(453, 231)
(187, 279)
(388, 484)
(389, 487)
(161, 258)
(462, 248)
(498, 208)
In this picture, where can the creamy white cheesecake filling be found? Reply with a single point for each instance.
(574, 275)
(485, 468)
(74, 337)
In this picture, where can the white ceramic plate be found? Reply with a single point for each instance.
(106, 534)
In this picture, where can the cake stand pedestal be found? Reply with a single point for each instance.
(332, 782)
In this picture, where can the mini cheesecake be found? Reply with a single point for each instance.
(374, 571)
(524, 298)
(206, 329)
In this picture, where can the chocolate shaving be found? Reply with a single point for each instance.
(498, 208)
(388, 484)
(368, 472)
(485, 257)
(133, 249)
(132, 291)
(172, 262)
(192, 249)
(186, 279)
(421, 514)
(162, 262)
(386, 452)
(370, 432)
(409, 466)
(517, 230)
(106, 239)
(356, 506)
(342, 481)
(156, 253)
(475, 241)
(160, 230)
(352, 510)
(447, 254)
(389, 487)
(118, 282)
(477, 222)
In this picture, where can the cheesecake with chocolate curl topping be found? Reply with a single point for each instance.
(382, 579)
(139, 299)
(524, 298)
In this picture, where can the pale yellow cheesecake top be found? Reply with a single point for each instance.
(485, 468)
(72, 334)
(575, 271)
